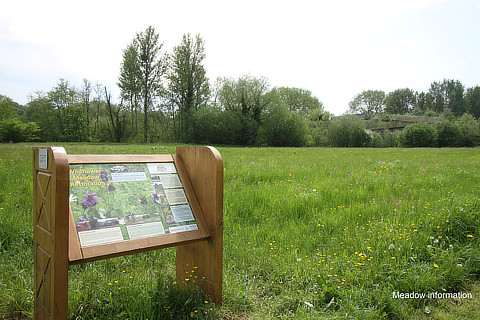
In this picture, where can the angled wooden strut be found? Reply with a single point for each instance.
(204, 167)
(50, 233)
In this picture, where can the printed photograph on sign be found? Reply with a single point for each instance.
(112, 203)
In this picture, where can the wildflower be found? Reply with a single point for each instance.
(103, 175)
(111, 187)
(143, 200)
(435, 265)
(90, 200)
(469, 236)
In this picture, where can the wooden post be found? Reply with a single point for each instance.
(203, 261)
(50, 232)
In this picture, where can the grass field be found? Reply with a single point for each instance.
(308, 234)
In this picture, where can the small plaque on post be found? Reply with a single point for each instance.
(43, 159)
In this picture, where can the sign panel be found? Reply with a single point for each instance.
(117, 202)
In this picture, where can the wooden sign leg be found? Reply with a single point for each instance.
(50, 233)
(202, 261)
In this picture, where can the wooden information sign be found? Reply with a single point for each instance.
(91, 207)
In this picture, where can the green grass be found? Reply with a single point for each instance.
(308, 234)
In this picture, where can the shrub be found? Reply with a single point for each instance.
(211, 125)
(15, 130)
(348, 132)
(281, 128)
(419, 135)
(390, 139)
(470, 131)
(448, 134)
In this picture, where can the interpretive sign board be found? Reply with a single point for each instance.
(118, 202)
(91, 207)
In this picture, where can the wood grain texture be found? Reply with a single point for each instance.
(50, 235)
(204, 167)
(118, 158)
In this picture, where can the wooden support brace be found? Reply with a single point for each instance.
(204, 259)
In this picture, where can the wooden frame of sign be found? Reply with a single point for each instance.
(56, 234)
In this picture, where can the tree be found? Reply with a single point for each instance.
(472, 100)
(368, 102)
(142, 70)
(282, 128)
(298, 100)
(129, 82)
(448, 94)
(400, 101)
(245, 98)
(85, 94)
(188, 87)
(41, 110)
(7, 108)
(60, 97)
(423, 102)
(117, 120)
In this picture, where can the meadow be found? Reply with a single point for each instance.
(309, 233)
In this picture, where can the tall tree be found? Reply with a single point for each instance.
(423, 102)
(400, 101)
(85, 94)
(188, 87)
(472, 100)
(152, 67)
(64, 99)
(117, 119)
(368, 102)
(129, 82)
(448, 94)
(142, 71)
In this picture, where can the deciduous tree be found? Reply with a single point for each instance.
(400, 101)
(188, 87)
(129, 82)
(368, 102)
(142, 70)
(245, 98)
(472, 100)
(448, 94)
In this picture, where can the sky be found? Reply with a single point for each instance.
(335, 49)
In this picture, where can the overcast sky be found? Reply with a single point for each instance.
(335, 49)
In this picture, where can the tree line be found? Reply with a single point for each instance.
(448, 96)
(167, 97)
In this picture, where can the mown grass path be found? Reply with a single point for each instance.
(309, 234)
